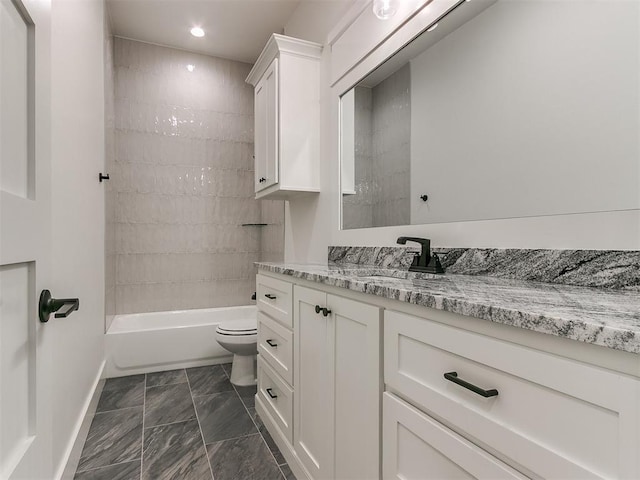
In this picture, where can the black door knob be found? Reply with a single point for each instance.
(48, 305)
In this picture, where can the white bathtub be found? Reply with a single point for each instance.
(150, 342)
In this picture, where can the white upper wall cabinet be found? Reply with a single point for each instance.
(286, 78)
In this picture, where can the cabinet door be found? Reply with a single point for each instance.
(417, 447)
(313, 379)
(357, 388)
(266, 128)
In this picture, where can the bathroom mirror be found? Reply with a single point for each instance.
(508, 108)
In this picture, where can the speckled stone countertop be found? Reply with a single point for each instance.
(610, 318)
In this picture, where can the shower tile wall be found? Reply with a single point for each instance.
(109, 155)
(382, 156)
(391, 148)
(183, 181)
(357, 209)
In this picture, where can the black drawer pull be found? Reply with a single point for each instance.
(271, 344)
(453, 377)
(318, 308)
(271, 394)
(269, 296)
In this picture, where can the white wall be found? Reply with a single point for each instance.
(77, 87)
(313, 223)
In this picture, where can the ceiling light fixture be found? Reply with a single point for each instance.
(384, 9)
(197, 32)
(191, 67)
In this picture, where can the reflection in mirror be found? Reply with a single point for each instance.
(508, 109)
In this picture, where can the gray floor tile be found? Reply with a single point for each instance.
(241, 459)
(122, 471)
(227, 368)
(114, 437)
(208, 380)
(168, 404)
(124, 392)
(223, 416)
(123, 382)
(169, 377)
(175, 452)
(267, 437)
(247, 395)
(287, 473)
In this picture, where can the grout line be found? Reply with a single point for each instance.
(144, 411)
(119, 409)
(235, 438)
(204, 444)
(256, 425)
(106, 466)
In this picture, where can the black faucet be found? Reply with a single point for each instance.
(423, 262)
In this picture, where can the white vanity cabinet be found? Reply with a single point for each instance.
(286, 79)
(338, 385)
(547, 416)
(361, 392)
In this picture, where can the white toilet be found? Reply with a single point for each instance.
(241, 339)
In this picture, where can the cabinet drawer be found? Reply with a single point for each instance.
(417, 447)
(275, 298)
(275, 344)
(552, 417)
(276, 396)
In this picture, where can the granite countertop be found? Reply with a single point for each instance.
(610, 318)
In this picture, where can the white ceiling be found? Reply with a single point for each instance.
(235, 29)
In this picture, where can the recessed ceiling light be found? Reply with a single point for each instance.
(432, 27)
(197, 32)
(191, 67)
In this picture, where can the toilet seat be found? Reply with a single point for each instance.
(238, 328)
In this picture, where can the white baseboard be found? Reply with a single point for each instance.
(285, 447)
(69, 464)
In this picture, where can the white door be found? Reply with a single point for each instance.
(25, 238)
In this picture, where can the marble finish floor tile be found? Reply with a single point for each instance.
(175, 452)
(168, 404)
(169, 377)
(208, 380)
(273, 447)
(120, 471)
(114, 437)
(174, 437)
(247, 395)
(223, 416)
(242, 458)
(123, 392)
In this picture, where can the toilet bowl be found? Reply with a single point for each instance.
(240, 338)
